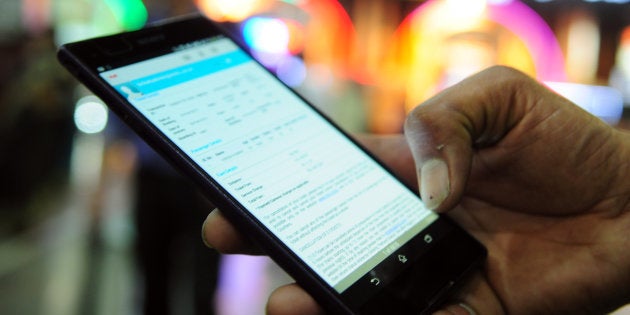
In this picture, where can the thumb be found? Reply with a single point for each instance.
(444, 131)
(442, 152)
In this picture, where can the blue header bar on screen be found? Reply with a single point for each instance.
(171, 77)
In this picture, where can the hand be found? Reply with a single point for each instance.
(544, 185)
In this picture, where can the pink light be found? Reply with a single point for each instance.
(536, 34)
(36, 15)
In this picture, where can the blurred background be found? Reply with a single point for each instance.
(93, 222)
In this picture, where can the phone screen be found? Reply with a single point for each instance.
(327, 200)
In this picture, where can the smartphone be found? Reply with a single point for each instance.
(345, 228)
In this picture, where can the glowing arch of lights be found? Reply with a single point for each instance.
(523, 22)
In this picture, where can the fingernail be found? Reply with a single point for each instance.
(203, 229)
(458, 309)
(467, 308)
(434, 183)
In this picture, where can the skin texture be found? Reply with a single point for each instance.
(542, 184)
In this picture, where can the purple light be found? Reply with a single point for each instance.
(242, 285)
(292, 71)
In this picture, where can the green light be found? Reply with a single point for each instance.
(130, 14)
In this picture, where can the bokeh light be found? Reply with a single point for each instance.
(267, 35)
(90, 115)
(231, 10)
(130, 14)
(602, 101)
(292, 71)
(77, 20)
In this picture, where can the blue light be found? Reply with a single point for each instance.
(602, 101)
(266, 35)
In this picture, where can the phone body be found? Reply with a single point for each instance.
(329, 213)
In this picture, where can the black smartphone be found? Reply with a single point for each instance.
(344, 227)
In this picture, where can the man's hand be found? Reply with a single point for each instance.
(544, 185)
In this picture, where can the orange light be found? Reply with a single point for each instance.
(230, 10)
(296, 36)
(329, 35)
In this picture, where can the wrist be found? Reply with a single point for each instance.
(620, 185)
(623, 232)
(613, 250)
(624, 174)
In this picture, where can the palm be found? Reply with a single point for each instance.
(533, 268)
(547, 244)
